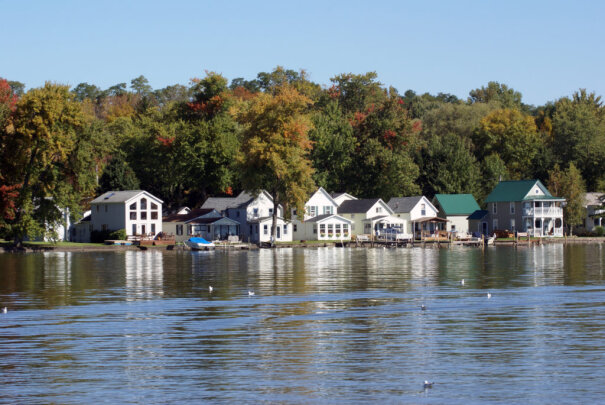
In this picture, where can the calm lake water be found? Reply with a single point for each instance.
(325, 325)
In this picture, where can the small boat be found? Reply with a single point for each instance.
(490, 240)
(197, 243)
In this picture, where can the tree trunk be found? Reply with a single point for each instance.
(274, 218)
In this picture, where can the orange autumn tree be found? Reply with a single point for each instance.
(275, 149)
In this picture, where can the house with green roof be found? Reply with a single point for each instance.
(456, 208)
(525, 206)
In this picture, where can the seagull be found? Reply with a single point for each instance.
(423, 307)
(210, 289)
(250, 293)
(4, 310)
(428, 384)
(489, 295)
(462, 282)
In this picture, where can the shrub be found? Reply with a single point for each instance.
(120, 234)
(599, 230)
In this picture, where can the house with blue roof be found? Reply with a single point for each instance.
(525, 206)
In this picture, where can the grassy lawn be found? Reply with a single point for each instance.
(5, 243)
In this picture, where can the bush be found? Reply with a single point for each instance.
(599, 230)
(120, 234)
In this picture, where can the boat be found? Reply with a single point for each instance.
(197, 243)
(490, 240)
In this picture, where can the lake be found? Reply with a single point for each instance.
(325, 325)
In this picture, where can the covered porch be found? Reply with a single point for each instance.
(544, 227)
(384, 226)
(430, 227)
(214, 228)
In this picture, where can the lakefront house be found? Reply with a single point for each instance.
(525, 206)
(320, 220)
(456, 208)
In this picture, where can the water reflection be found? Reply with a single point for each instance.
(325, 325)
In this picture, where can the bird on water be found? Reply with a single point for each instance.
(210, 289)
(462, 282)
(423, 307)
(250, 293)
(489, 295)
(428, 384)
(4, 310)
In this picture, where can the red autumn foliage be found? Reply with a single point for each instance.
(417, 126)
(334, 92)
(400, 102)
(167, 142)
(358, 119)
(210, 107)
(8, 195)
(228, 191)
(6, 95)
(243, 93)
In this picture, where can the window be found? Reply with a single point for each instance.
(104, 227)
(328, 209)
(494, 208)
(378, 209)
(255, 212)
(330, 229)
(144, 215)
(133, 206)
(294, 227)
(251, 229)
(270, 211)
(512, 225)
(314, 229)
(423, 210)
(154, 215)
(294, 212)
(133, 215)
(453, 228)
(322, 229)
(179, 229)
(285, 229)
(345, 229)
(153, 229)
(512, 207)
(312, 211)
(189, 230)
(265, 229)
(495, 224)
(154, 206)
(337, 228)
(134, 229)
(143, 230)
(143, 203)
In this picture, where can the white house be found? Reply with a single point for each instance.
(80, 231)
(420, 215)
(136, 211)
(593, 202)
(254, 214)
(320, 221)
(370, 217)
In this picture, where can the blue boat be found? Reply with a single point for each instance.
(197, 243)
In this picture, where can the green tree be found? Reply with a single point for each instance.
(513, 135)
(140, 85)
(493, 170)
(42, 158)
(18, 87)
(86, 91)
(579, 135)
(355, 93)
(448, 167)
(569, 184)
(276, 148)
(118, 175)
(496, 92)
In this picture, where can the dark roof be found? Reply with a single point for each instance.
(404, 204)
(357, 206)
(325, 216)
(186, 217)
(457, 204)
(479, 214)
(222, 203)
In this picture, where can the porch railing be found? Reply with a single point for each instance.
(543, 212)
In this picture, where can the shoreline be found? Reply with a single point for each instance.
(251, 246)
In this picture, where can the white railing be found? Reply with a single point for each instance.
(543, 212)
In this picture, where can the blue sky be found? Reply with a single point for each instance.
(544, 49)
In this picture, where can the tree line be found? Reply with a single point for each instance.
(285, 133)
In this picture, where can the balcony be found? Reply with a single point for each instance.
(543, 212)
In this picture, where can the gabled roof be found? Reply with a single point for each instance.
(401, 205)
(223, 203)
(213, 220)
(479, 214)
(320, 218)
(195, 213)
(457, 204)
(360, 206)
(325, 193)
(121, 196)
(517, 190)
